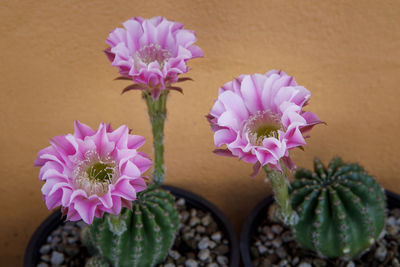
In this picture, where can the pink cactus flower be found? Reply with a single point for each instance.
(152, 52)
(92, 172)
(260, 119)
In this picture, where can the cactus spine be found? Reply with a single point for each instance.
(139, 237)
(341, 209)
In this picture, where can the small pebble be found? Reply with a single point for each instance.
(174, 254)
(277, 242)
(181, 202)
(222, 260)
(45, 258)
(45, 249)
(211, 228)
(216, 237)
(270, 235)
(170, 264)
(350, 264)
(184, 215)
(380, 253)
(189, 235)
(392, 229)
(212, 264)
(283, 263)
(262, 249)
(72, 240)
(206, 220)
(203, 244)
(55, 241)
(200, 229)
(191, 263)
(56, 258)
(277, 229)
(204, 254)
(212, 244)
(193, 212)
(305, 264)
(287, 236)
(194, 221)
(281, 252)
(42, 264)
(68, 227)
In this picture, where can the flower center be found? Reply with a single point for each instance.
(151, 53)
(100, 172)
(94, 174)
(262, 125)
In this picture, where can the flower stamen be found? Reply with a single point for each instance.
(95, 174)
(262, 125)
(151, 53)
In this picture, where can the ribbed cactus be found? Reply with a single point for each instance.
(139, 237)
(341, 209)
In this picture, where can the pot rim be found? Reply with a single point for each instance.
(55, 218)
(258, 214)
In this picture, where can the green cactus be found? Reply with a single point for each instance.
(139, 237)
(341, 209)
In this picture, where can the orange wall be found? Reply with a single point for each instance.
(53, 71)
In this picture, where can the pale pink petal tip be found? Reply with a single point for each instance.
(151, 52)
(260, 118)
(92, 172)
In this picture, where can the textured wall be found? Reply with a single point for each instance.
(53, 71)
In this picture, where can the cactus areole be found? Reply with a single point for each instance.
(341, 209)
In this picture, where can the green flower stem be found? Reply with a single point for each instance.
(157, 110)
(279, 184)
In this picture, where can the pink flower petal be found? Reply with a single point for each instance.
(228, 119)
(235, 104)
(103, 144)
(82, 130)
(294, 138)
(86, 209)
(130, 169)
(223, 136)
(125, 190)
(256, 169)
(133, 33)
(251, 93)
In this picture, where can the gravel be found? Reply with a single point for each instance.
(199, 243)
(274, 245)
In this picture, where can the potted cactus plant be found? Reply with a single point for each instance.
(336, 211)
(345, 219)
(98, 176)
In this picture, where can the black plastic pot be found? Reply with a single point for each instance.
(258, 214)
(32, 254)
